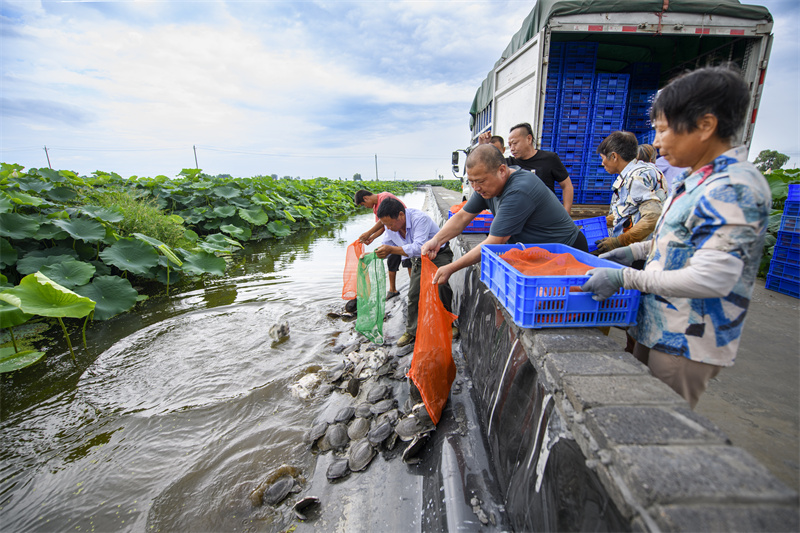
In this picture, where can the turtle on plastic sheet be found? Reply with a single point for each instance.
(303, 506)
(361, 454)
(345, 414)
(380, 433)
(358, 428)
(383, 406)
(337, 436)
(364, 410)
(338, 469)
(378, 393)
(316, 432)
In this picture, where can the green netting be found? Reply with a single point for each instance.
(371, 290)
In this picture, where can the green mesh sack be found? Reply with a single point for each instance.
(371, 294)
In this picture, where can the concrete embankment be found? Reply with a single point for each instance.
(582, 436)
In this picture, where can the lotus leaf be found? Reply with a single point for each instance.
(37, 294)
(11, 315)
(204, 262)
(262, 199)
(8, 254)
(278, 228)
(11, 360)
(289, 215)
(149, 240)
(83, 229)
(132, 255)
(33, 184)
(106, 214)
(70, 273)
(226, 191)
(101, 269)
(34, 263)
(6, 204)
(50, 231)
(16, 226)
(20, 198)
(53, 175)
(190, 235)
(59, 214)
(236, 231)
(113, 295)
(61, 194)
(254, 215)
(176, 218)
(225, 211)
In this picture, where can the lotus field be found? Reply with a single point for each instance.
(77, 246)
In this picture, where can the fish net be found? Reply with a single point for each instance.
(371, 288)
(432, 367)
(537, 261)
(354, 251)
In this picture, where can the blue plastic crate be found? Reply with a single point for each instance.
(574, 112)
(578, 96)
(573, 127)
(480, 224)
(604, 128)
(781, 285)
(594, 229)
(608, 112)
(637, 123)
(794, 193)
(647, 137)
(784, 270)
(599, 183)
(788, 239)
(573, 81)
(790, 223)
(786, 253)
(589, 196)
(791, 208)
(641, 96)
(640, 109)
(547, 301)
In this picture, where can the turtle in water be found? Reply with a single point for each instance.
(316, 432)
(345, 414)
(279, 330)
(303, 506)
(383, 406)
(278, 491)
(337, 436)
(361, 454)
(358, 428)
(338, 469)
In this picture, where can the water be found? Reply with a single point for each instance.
(182, 407)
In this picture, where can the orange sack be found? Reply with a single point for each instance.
(537, 261)
(354, 251)
(432, 366)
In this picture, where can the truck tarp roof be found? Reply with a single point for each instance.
(545, 9)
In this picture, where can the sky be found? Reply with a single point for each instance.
(303, 88)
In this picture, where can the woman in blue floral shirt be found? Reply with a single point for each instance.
(702, 261)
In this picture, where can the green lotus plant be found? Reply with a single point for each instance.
(37, 294)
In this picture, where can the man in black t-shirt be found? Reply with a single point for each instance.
(546, 165)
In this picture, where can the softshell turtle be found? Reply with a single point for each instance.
(279, 490)
(410, 427)
(345, 414)
(361, 453)
(358, 429)
(303, 506)
(382, 406)
(390, 416)
(379, 433)
(335, 374)
(364, 410)
(337, 436)
(377, 393)
(337, 469)
(316, 432)
(279, 330)
(410, 454)
(353, 386)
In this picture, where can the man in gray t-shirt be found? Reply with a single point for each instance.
(525, 210)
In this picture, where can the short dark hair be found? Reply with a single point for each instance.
(497, 139)
(392, 208)
(523, 125)
(360, 196)
(488, 155)
(622, 142)
(720, 91)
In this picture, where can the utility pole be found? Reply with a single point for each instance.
(48, 158)
(376, 167)
(195, 157)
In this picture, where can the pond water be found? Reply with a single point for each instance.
(181, 408)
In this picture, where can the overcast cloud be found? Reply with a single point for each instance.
(291, 88)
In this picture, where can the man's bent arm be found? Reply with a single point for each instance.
(452, 228)
(567, 193)
(469, 258)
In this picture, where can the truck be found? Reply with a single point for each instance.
(541, 76)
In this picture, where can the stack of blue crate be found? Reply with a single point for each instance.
(644, 86)
(608, 114)
(552, 98)
(784, 268)
(574, 111)
(647, 137)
